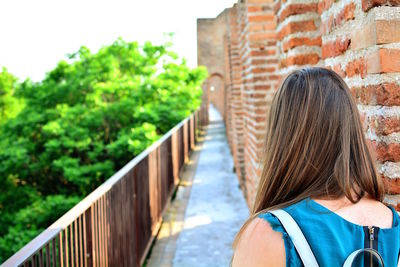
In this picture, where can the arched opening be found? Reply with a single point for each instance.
(216, 92)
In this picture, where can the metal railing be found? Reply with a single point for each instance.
(116, 224)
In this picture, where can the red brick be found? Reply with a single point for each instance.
(262, 87)
(263, 61)
(297, 26)
(356, 67)
(255, 27)
(263, 70)
(259, 95)
(294, 9)
(376, 32)
(385, 125)
(386, 152)
(263, 52)
(299, 41)
(262, 27)
(302, 59)
(261, 18)
(387, 94)
(261, 36)
(384, 61)
(392, 186)
(254, 8)
(368, 4)
(347, 13)
(387, 31)
(267, 7)
(260, 119)
(335, 48)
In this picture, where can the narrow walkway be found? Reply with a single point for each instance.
(215, 209)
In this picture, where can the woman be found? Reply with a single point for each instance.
(318, 169)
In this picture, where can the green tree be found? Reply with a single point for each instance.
(90, 115)
(9, 104)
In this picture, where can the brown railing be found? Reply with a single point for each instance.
(116, 224)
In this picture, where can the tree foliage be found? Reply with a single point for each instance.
(9, 104)
(90, 115)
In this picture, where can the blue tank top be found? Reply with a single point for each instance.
(333, 238)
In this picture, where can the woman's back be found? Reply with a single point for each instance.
(315, 148)
(334, 236)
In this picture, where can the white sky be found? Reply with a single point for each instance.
(36, 34)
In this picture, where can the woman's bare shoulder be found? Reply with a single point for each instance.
(259, 245)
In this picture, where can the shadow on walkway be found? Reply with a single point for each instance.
(201, 223)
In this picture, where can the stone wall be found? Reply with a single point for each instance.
(255, 43)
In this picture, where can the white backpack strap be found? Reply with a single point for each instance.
(352, 256)
(297, 237)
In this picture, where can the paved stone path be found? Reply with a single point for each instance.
(215, 210)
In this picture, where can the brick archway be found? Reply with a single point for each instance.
(216, 91)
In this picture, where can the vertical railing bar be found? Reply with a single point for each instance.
(61, 253)
(120, 222)
(76, 242)
(181, 147)
(103, 258)
(85, 256)
(94, 231)
(48, 254)
(34, 258)
(187, 141)
(80, 239)
(99, 220)
(135, 213)
(124, 220)
(90, 237)
(104, 230)
(54, 249)
(71, 245)
(41, 257)
(112, 227)
(107, 222)
(98, 229)
(66, 245)
(93, 235)
(193, 133)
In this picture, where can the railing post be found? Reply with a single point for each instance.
(88, 238)
(185, 141)
(192, 132)
(197, 124)
(175, 157)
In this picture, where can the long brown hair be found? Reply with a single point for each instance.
(315, 145)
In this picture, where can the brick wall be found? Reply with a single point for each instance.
(262, 41)
(258, 57)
